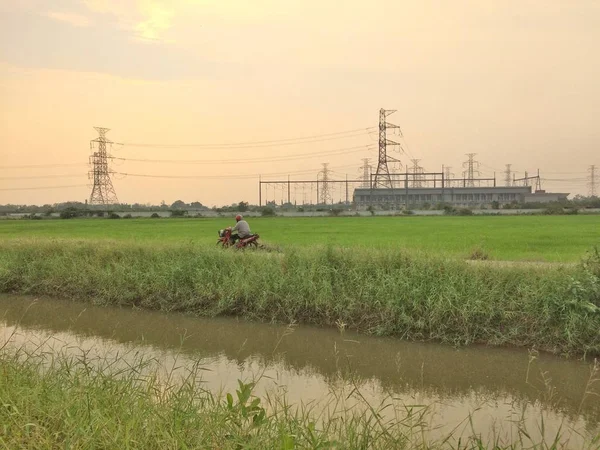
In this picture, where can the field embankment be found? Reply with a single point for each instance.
(384, 292)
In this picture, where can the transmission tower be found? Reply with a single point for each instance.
(324, 192)
(447, 175)
(417, 171)
(103, 192)
(507, 177)
(366, 172)
(592, 181)
(472, 168)
(382, 175)
(538, 182)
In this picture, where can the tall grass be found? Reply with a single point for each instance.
(58, 400)
(383, 292)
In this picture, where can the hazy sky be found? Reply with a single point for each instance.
(515, 81)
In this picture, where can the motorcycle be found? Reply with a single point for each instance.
(225, 240)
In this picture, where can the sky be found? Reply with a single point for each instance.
(181, 83)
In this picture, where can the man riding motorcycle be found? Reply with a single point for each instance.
(242, 228)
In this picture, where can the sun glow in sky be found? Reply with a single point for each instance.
(513, 81)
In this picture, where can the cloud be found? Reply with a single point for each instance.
(159, 19)
(76, 20)
(148, 20)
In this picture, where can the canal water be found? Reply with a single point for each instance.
(473, 389)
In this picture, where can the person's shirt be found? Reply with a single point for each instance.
(242, 228)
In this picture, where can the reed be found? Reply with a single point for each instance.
(379, 291)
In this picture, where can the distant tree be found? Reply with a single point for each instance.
(267, 211)
(179, 204)
(242, 206)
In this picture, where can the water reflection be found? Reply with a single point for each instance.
(307, 361)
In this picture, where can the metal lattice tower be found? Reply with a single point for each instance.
(103, 192)
(382, 175)
(447, 175)
(366, 172)
(507, 177)
(472, 168)
(592, 181)
(416, 172)
(324, 194)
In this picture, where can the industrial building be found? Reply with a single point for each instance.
(470, 196)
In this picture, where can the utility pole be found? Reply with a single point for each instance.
(324, 193)
(472, 168)
(507, 177)
(103, 192)
(592, 180)
(382, 175)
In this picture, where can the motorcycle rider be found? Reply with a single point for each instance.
(242, 228)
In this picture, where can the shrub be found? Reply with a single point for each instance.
(32, 216)
(267, 212)
(335, 212)
(155, 216)
(114, 215)
(127, 216)
(479, 254)
(178, 213)
(407, 212)
(69, 213)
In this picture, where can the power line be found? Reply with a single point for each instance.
(262, 159)
(42, 166)
(43, 187)
(269, 143)
(42, 176)
(239, 176)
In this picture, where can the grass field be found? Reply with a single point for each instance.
(396, 276)
(522, 238)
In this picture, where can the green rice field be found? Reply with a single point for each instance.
(519, 238)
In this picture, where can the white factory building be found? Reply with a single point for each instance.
(457, 196)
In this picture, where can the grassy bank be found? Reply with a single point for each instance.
(384, 292)
(60, 401)
(527, 238)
